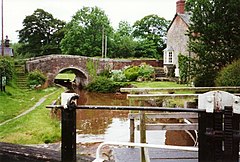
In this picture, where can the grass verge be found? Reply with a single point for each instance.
(36, 127)
(15, 101)
(156, 84)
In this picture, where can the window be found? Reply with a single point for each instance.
(170, 57)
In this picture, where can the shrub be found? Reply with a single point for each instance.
(36, 78)
(6, 69)
(146, 71)
(229, 75)
(118, 76)
(131, 73)
(104, 85)
(205, 79)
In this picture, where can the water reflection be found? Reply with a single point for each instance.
(112, 125)
(108, 125)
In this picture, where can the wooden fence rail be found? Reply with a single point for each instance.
(177, 89)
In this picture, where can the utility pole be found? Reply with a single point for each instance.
(105, 47)
(102, 41)
(2, 32)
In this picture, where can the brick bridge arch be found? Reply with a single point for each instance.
(52, 65)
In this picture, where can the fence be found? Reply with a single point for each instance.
(218, 125)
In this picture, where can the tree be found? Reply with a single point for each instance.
(152, 28)
(122, 44)
(6, 69)
(214, 36)
(84, 32)
(41, 34)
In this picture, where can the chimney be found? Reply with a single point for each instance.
(180, 6)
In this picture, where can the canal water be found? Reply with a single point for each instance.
(107, 125)
(113, 125)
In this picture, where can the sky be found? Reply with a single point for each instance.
(14, 11)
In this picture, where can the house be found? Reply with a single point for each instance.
(7, 51)
(176, 39)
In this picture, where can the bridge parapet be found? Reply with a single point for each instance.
(51, 65)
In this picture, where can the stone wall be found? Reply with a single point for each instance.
(52, 65)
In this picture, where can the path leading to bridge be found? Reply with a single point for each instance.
(29, 110)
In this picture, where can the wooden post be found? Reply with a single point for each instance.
(202, 138)
(68, 148)
(236, 123)
(231, 145)
(68, 135)
(142, 135)
(132, 128)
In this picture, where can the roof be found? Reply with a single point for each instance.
(185, 17)
(168, 49)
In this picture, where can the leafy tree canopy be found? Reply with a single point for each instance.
(41, 34)
(152, 28)
(216, 28)
(84, 32)
(122, 44)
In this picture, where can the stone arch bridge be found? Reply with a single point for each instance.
(52, 65)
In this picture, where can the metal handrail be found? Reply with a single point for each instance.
(143, 108)
(100, 159)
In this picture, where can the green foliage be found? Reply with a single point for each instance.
(216, 37)
(118, 76)
(143, 72)
(104, 85)
(154, 29)
(92, 67)
(41, 34)
(36, 78)
(146, 48)
(6, 69)
(205, 78)
(186, 68)
(122, 44)
(146, 71)
(84, 32)
(229, 75)
(132, 73)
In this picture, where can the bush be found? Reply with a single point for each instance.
(229, 76)
(6, 69)
(205, 79)
(146, 71)
(131, 73)
(104, 85)
(118, 76)
(36, 78)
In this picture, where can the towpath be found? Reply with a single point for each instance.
(41, 100)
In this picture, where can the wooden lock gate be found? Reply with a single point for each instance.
(218, 129)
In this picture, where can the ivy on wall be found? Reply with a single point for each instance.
(185, 67)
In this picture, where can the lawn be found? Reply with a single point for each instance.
(156, 84)
(70, 76)
(37, 126)
(15, 101)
